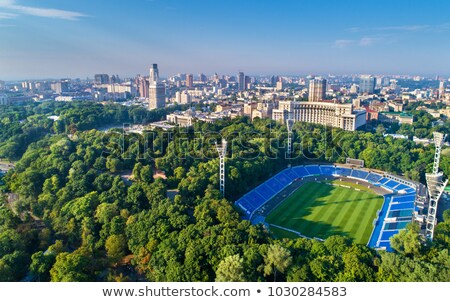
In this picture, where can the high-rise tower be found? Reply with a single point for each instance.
(441, 89)
(241, 81)
(157, 90)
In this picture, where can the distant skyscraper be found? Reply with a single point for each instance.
(156, 91)
(441, 90)
(241, 81)
(100, 79)
(367, 84)
(154, 74)
(247, 82)
(280, 85)
(61, 87)
(273, 80)
(142, 86)
(317, 89)
(189, 80)
(202, 78)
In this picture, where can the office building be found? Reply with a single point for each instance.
(100, 79)
(157, 90)
(189, 80)
(441, 89)
(241, 81)
(331, 114)
(202, 78)
(367, 84)
(317, 89)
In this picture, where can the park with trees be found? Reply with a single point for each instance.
(76, 218)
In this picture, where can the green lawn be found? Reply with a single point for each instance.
(321, 210)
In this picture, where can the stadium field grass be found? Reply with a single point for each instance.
(321, 210)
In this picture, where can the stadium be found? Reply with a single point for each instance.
(317, 201)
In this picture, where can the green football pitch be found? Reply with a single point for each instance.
(321, 210)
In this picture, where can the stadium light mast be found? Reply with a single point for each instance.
(222, 150)
(289, 124)
(435, 185)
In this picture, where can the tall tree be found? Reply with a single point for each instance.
(231, 269)
(278, 259)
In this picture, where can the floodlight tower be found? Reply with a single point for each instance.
(222, 150)
(289, 124)
(435, 185)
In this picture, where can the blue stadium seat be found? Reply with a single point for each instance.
(290, 174)
(265, 191)
(401, 187)
(300, 171)
(385, 244)
(274, 185)
(404, 198)
(383, 180)
(402, 206)
(343, 171)
(373, 177)
(410, 190)
(327, 170)
(386, 235)
(391, 184)
(359, 174)
(283, 179)
(313, 170)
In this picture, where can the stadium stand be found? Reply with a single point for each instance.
(373, 177)
(401, 187)
(300, 171)
(359, 174)
(313, 170)
(391, 184)
(327, 170)
(395, 214)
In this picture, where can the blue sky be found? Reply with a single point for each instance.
(54, 38)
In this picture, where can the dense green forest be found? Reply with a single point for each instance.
(69, 214)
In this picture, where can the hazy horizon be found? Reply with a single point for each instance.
(54, 39)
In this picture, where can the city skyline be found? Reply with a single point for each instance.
(79, 39)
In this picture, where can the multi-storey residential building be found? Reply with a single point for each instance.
(142, 86)
(317, 89)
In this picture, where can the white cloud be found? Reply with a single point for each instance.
(405, 27)
(401, 28)
(39, 11)
(4, 15)
(367, 41)
(343, 43)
